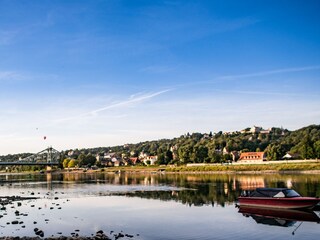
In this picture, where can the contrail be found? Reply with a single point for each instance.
(115, 105)
(128, 102)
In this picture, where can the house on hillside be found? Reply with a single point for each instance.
(265, 131)
(234, 155)
(117, 163)
(99, 158)
(150, 160)
(134, 160)
(225, 151)
(70, 153)
(109, 156)
(143, 155)
(252, 157)
(255, 129)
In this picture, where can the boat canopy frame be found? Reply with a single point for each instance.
(273, 193)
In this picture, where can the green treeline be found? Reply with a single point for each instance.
(219, 147)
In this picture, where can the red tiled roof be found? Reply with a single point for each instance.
(134, 160)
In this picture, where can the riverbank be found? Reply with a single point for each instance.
(282, 167)
(307, 167)
(252, 168)
(100, 235)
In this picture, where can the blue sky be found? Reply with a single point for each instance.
(104, 73)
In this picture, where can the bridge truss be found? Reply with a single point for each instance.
(47, 157)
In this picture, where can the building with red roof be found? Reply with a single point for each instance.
(252, 157)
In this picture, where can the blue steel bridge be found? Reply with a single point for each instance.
(47, 157)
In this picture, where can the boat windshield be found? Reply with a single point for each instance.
(292, 193)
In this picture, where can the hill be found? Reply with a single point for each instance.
(210, 147)
(219, 147)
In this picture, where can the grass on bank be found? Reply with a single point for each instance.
(254, 168)
(280, 167)
(222, 168)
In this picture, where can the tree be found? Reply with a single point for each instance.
(65, 162)
(153, 148)
(72, 163)
(272, 152)
(184, 153)
(200, 154)
(86, 160)
(216, 158)
(307, 148)
(90, 160)
(196, 136)
(227, 157)
(231, 145)
(161, 159)
(276, 151)
(316, 147)
(169, 156)
(81, 159)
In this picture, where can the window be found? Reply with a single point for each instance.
(292, 193)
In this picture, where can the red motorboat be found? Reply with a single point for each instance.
(277, 198)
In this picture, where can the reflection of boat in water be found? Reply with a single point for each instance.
(279, 217)
(282, 198)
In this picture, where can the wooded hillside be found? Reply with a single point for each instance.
(207, 147)
(217, 147)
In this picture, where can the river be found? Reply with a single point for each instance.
(149, 206)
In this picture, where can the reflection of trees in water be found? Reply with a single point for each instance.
(223, 189)
(187, 197)
(194, 189)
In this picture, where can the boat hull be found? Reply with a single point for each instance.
(283, 203)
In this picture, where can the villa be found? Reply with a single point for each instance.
(252, 157)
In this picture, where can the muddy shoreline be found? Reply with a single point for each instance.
(11, 214)
(99, 235)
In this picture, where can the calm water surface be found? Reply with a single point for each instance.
(152, 206)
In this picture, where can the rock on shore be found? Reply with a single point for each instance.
(100, 235)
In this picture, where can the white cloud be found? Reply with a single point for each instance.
(9, 75)
(7, 37)
(157, 69)
(271, 72)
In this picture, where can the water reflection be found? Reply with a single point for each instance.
(153, 205)
(280, 217)
(189, 189)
